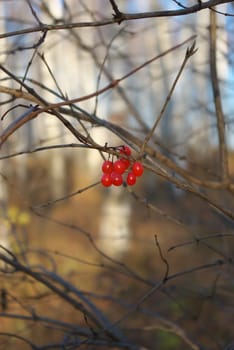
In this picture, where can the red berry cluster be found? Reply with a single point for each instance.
(113, 172)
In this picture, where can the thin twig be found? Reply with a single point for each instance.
(124, 17)
(84, 189)
(162, 258)
(34, 13)
(188, 54)
(223, 153)
(199, 239)
(60, 287)
(54, 106)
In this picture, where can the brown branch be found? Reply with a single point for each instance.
(125, 269)
(199, 239)
(160, 283)
(117, 19)
(60, 287)
(48, 321)
(155, 209)
(130, 138)
(18, 93)
(173, 328)
(171, 13)
(117, 12)
(19, 337)
(189, 53)
(51, 108)
(162, 258)
(49, 203)
(33, 12)
(223, 153)
(219, 262)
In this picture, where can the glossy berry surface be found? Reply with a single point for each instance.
(137, 169)
(131, 179)
(126, 150)
(107, 167)
(126, 162)
(106, 180)
(116, 179)
(119, 166)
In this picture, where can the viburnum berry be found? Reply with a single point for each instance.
(126, 162)
(116, 179)
(137, 168)
(107, 167)
(119, 166)
(131, 179)
(115, 172)
(125, 150)
(106, 180)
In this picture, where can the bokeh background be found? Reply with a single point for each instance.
(156, 258)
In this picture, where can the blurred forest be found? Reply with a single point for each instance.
(143, 267)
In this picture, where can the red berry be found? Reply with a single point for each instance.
(126, 162)
(106, 180)
(107, 167)
(126, 150)
(131, 179)
(116, 179)
(119, 166)
(137, 169)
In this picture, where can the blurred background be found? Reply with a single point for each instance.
(115, 244)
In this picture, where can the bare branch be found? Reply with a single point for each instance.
(52, 107)
(188, 54)
(223, 154)
(162, 257)
(123, 17)
(60, 287)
